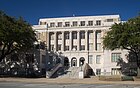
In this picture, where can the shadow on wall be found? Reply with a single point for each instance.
(128, 67)
(88, 71)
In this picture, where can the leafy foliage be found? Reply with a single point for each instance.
(124, 35)
(15, 35)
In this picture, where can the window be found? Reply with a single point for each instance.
(59, 24)
(52, 36)
(66, 48)
(109, 20)
(74, 47)
(90, 46)
(59, 46)
(82, 47)
(59, 36)
(52, 24)
(98, 59)
(90, 23)
(98, 48)
(74, 23)
(115, 57)
(43, 23)
(98, 22)
(74, 35)
(52, 47)
(90, 59)
(67, 35)
(67, 24)
(82, 23)
(115, 71)
(98, 71)
(90, 35)
(98, 34)
(82, 35)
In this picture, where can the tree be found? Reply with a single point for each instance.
(125, 35)
(15, 35)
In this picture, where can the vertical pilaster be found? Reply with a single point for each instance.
(94, 40)
(86, 40)
(63, 41)
(78, 39)
(55, 41)
(70, 34)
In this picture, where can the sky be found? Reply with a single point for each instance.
(33, 10)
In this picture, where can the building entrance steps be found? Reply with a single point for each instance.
(73, 72)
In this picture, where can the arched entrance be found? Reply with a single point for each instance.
(66, 61)
(81, 61)
(73, 62)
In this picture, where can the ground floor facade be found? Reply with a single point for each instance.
(102, 63)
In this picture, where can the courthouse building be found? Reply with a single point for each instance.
(80, 40)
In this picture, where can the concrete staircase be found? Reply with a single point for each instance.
(72, 72)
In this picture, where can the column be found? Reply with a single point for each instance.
(55, 41)
(94, 40)
(70, 34)
(48, 41)
(86, 40)
(78, 39)
(63, 41)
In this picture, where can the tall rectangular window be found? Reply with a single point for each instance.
(74, 47)
(98, 47)
(74, 23)
(90, 46)
(98, 59)
(90, 23)
(115, 57)
(52, 47)
(59, 36)
(90, 35)
(82, 35)
(90, 57)
(98, 71)
(67, 35)
(82, 47)
(52, 36)
(52, 24)
(66, 48)
(82, 23)
(59, 47)
(74, 35)
(67, 24)
(59, 24)
(98, 34)
(98, 22)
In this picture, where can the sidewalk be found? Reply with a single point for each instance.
(65, 81)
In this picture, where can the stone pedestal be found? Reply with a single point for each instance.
(81, 75)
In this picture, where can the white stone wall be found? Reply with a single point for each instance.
(105, 64)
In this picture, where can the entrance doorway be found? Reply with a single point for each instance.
(73, 62)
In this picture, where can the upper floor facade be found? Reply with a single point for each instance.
(80, 21)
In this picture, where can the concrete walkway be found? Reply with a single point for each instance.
(66, 81)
